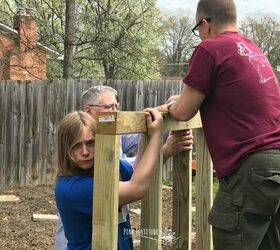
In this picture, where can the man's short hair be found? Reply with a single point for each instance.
(220, 11)
(93, 94)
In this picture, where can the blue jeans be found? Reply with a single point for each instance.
(60, 239)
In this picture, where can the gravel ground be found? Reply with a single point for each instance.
(18, 231)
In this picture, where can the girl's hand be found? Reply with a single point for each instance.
(154, 121)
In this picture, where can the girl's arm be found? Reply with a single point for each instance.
(140, 152)
(135, 188)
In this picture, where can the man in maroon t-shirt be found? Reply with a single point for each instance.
(232, 83)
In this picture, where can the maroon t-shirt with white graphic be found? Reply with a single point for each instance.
(241, 111)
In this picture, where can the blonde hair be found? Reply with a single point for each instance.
(69, 131)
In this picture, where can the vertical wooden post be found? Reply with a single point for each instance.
(106, 192)
(151, 210)
(204, 193)
(106, 187)
(182, 200)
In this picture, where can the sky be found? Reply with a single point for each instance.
(244, 7)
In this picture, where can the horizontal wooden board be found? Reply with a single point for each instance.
(44, 217)
(126, 122)
(4, 198)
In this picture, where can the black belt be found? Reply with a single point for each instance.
(266, 151)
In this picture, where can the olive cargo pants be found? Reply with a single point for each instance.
(245, 213)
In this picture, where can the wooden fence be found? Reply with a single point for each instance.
(106, 184)
(31, 110)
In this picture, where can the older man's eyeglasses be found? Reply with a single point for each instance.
(113, 106)
(195, 28)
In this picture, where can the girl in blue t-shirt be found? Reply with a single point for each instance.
(74, 185)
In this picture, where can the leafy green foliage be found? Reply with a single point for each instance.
(177, 44)
(113, 39)
(265, 32)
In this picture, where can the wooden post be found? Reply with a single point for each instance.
(106, 173)
(111, 124)
(182, 200)
(204, 193)
(151, 210)
(106, 192)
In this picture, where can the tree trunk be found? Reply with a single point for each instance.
(69, 39)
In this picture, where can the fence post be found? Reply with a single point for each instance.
(151, 210)
(106, 192)
(106, 173)
(204, 193)
(182, 185)
(182, 200)
(106, 196)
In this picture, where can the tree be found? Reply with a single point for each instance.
(5, 11)
(112, 39)
(123, 38)
(265, 32)
(50, 26)
(69, 39)
(177, 44)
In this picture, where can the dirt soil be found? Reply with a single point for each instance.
(18, 231)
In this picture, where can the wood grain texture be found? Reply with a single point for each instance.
(106, 192)
(182, 200)
(151, 210)
(204, 193)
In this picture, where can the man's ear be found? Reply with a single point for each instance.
(90, 111)
(209, 28)
(87, 109)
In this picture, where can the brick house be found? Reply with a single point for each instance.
(21, 56)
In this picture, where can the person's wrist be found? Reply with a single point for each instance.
(165, 152)
(162, 108)
(155, 134)
(168, 105)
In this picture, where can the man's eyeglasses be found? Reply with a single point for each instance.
(113, 106)
(195, 29)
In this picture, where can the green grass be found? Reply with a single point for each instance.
(167, 183)
(215, 185)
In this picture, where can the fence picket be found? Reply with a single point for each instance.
(31, 111)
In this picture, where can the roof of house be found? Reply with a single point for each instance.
(50, 52)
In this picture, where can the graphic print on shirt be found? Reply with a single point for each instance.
(259, 62)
